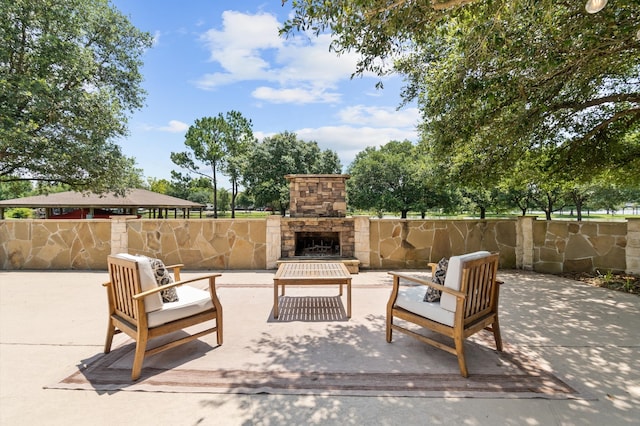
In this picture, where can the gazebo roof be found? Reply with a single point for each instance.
(133, 198)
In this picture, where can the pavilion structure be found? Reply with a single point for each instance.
(79, 205)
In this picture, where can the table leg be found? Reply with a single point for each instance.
(275, 300)
(348, 299)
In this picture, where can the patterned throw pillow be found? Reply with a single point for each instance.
(433, 295)
(163, 277)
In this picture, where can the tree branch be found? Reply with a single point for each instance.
(448, 4)
(435, 4)
(619, 97)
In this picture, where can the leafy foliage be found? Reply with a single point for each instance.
(69, 75)
(387, 179)
(280, 155)
(524, 76)
(14, 189)
(496, 80)
(220, 144)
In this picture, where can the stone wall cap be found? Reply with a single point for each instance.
(321, 176)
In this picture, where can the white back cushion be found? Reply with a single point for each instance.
(454, 275)
(148, 281)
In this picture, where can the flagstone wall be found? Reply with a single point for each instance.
(562, 246)
(201, 244)
(402, 243)
(54, 244)
(219, 244)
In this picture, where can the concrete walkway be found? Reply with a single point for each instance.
(590, 337)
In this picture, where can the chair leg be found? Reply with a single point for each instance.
(219, 328)
(111, 330)
(462, 363)
(138, 359)
(389, 329)
(496, 334)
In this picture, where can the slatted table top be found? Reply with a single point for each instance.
(313, 270)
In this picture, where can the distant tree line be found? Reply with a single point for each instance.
(400, 177)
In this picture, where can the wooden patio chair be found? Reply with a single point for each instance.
(468, 304)
(136, 307)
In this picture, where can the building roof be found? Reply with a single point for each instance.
(133, 198)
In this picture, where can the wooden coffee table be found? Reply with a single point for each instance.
(311, 273)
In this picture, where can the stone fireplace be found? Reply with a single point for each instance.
(317, 227)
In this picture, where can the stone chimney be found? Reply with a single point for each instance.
(317, 195)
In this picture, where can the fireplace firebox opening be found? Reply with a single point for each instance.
(318, 244)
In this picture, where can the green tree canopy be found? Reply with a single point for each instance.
(161, 186)
(388, 179)
(239, 141)
(69, 77)
(218, 144)
(495, 79)
(16, 189)
(280, 155)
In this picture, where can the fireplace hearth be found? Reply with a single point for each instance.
(317, 234)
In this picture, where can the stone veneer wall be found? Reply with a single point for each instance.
(523, 242)
(54, 244)
(409, 243)
(561, 246)
(201, 244)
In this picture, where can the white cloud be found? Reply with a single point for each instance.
(156, 38)
(174, 126)
(380, 116)
(297, 95)
(299, 70)
(237, 48)
(347, 141)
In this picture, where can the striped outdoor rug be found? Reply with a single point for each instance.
(313, 349)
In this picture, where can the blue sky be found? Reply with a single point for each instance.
(212, 56)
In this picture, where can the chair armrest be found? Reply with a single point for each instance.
(174, 284)
(427, 283)
(177, 268)
(177, 265)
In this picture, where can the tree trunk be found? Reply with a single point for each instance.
(215, 194)
(234, 192)
(579, 209)
(549, 208)
(483, 212)
(403, 214)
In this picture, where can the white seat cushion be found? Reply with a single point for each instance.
(191, 301)
(454, 275)
(148, 281)
(411, 299)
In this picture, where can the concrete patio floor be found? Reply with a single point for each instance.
(589, 337)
